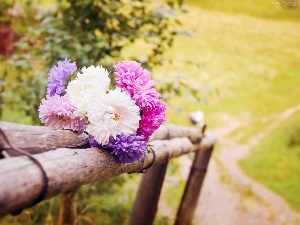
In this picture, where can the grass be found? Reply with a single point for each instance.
(240, 66)
(276, 164)
(249, 129)
(265, 9)
(251, 61)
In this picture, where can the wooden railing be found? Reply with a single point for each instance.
(61, 162)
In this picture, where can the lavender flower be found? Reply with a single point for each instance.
(128, 148)
(58, 77)
(93, 142)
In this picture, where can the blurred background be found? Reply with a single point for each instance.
(237, 62)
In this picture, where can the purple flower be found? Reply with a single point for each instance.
(57, 112)
(152, 117)
(136, 81)
(58, 77)
(128, 148)
(93, 142)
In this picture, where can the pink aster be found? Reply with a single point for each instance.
(136, 81)
(152, 117)
(57, 112)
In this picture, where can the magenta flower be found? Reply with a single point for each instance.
(58, 77)
(136, 81)
(128, 148)
(57, 112)
(151, 118)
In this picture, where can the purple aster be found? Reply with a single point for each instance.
(136, 81)
(93, 142)
(128, 148)
(152, 117)
(57, 112)
(58, 77)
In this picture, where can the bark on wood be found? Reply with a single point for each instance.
(67, 210)
(168, 131)
(146, 200)
(38, 139)
(193, 186)
(68, 169)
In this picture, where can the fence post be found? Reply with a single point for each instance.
(193, 186)
(146, 200)
(66, 211)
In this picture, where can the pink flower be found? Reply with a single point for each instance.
(136, 81)
(57, 112)
(152, 117)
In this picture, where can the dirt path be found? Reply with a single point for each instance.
(229, 197)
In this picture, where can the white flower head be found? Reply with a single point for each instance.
(90, 83)
(197, 118)
(111, 114)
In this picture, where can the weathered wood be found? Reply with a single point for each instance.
(38, 139)
(68, 169)
(146, 200)
(194, 184)
(67, 210)
(168, 131)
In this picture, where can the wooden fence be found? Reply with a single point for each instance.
(59, 162)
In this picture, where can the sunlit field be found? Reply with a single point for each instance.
(248, 67)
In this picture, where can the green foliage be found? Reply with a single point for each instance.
(105, 202)
(88, 32)
(4, 18)
(44, 213)
(173, 192)
(293, 134)
(19, 15)
(100, 29)
(162, 221)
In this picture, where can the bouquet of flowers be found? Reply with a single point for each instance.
(120, 120)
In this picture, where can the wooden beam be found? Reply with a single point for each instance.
(68, 169)
(168, 131)
(38, 139)
(67, 209)
(146, 200)
(193, 186)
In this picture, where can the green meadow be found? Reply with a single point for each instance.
(276, 164)
(245, 59)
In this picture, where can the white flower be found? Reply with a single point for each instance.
(90, 83)
(111, 114)
(197, 118)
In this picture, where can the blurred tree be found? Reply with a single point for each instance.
(88, 32)
(15, 18)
